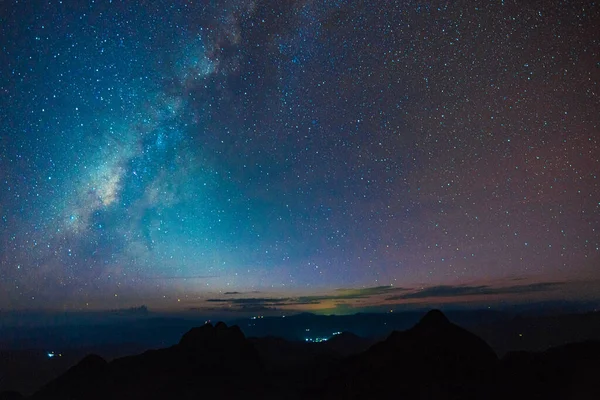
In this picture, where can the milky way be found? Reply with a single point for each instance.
(177, 154)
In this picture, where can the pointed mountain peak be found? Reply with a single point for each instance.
(434, 318)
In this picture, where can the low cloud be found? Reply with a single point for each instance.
(466, 290)
(255, 301)
(378, 296)
(270, 303)
(348, 294)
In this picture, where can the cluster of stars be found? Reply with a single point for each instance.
(160, 153)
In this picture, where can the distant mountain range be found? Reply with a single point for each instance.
(434, 359)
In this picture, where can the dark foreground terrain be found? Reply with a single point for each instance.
(435, 359)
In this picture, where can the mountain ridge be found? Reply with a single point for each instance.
(434, 359)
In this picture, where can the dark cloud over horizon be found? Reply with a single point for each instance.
(339, 294)
(379, 295)
(480, 290)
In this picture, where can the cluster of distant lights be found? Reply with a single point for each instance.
(308, 339)
(320, 339)
(52, 354)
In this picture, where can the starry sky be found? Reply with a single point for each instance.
(307, 154)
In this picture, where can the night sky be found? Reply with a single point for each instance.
(297, 154)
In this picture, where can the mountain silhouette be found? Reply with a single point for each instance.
(11, 395)
(437, 334)
(433, 318)
(347, 343)
(208, 360)
(435, 359)
(567, 372)
(220, 338)
(90, 372)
